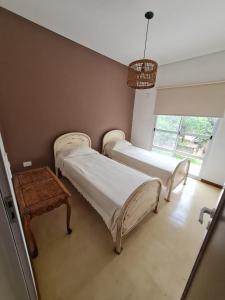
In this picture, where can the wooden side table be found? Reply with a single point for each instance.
(39, 191)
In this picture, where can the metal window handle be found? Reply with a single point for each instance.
(206, 210)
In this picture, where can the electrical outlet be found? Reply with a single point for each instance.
(27, 164)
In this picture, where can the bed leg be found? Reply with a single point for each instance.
(59, 173)
(168, 195)
(188, 167)
(156, 209)
(118, 249)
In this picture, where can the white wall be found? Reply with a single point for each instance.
(214, 168)
(205, 69)
(143, 119)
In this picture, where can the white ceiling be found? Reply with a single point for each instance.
(181, 29)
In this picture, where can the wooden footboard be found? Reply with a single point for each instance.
(143, 200)
(180, 174)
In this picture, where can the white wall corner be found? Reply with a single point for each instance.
(213, 169)
(143, 118)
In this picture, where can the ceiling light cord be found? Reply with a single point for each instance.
(146, 38)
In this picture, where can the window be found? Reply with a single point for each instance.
(184, 137)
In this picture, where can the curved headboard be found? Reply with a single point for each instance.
(72, 138)
(111, 136)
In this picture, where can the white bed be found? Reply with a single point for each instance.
(121, 195)
(168, 169)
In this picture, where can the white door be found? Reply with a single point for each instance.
(16, 275)
(207, 279)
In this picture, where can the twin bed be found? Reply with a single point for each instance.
(122, 189)
(121, 195)
(168, 169)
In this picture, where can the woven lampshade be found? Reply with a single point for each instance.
(142, 74)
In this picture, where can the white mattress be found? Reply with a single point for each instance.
(149, 162)
(105, 183)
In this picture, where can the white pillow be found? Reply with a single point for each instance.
(66, 149)
(115, 145)
(121, 144)
(75, 151)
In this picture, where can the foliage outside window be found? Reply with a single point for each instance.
(183, 136)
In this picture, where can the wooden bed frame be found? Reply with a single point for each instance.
(179, 175)
(146, 195)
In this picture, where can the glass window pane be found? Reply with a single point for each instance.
(184, 137)
(198, 125)
(165, 139)
(168, 123)
(194, 145)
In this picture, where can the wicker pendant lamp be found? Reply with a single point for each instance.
(142, 73)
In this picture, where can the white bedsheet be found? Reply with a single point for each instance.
(149, 162)
(105, 183)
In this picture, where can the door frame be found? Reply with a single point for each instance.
(14, 276)
(16, 227)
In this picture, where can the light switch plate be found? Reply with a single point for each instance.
(27, 164)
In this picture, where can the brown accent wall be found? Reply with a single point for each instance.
(50, 85)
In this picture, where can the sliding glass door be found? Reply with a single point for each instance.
(183, 137)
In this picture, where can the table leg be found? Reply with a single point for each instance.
(69, 230)
(32, 247)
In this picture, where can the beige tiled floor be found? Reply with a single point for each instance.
(155, 263)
